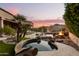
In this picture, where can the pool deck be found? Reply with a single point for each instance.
(63, 50)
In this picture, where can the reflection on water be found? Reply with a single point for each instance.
(43, 46)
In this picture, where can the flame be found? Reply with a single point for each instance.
(61, 33)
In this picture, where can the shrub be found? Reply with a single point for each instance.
(8, 30)
(1, 31)
(71, 17)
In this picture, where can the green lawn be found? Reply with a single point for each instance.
(6, 49)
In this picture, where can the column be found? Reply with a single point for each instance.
(1, 23)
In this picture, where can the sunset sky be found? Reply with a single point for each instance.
(40, 13)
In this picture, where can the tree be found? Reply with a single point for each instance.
(20, 17)
(71, 17)
(22, 27)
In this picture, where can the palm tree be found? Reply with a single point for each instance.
(26, 27)
(22, 26)
(20, 17)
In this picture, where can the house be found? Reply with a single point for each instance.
(9, 19)
(57, 27)
(4, 15)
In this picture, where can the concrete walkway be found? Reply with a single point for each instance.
(63, 50)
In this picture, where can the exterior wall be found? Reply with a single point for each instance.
(5, 15)
(11, 24)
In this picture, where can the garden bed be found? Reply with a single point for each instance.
(6, 49)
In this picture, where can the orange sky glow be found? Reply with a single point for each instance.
(39, 23)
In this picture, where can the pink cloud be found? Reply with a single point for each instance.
(39, 23)
(13, 10)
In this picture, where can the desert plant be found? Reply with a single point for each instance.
(8, 30)
(1, 31)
